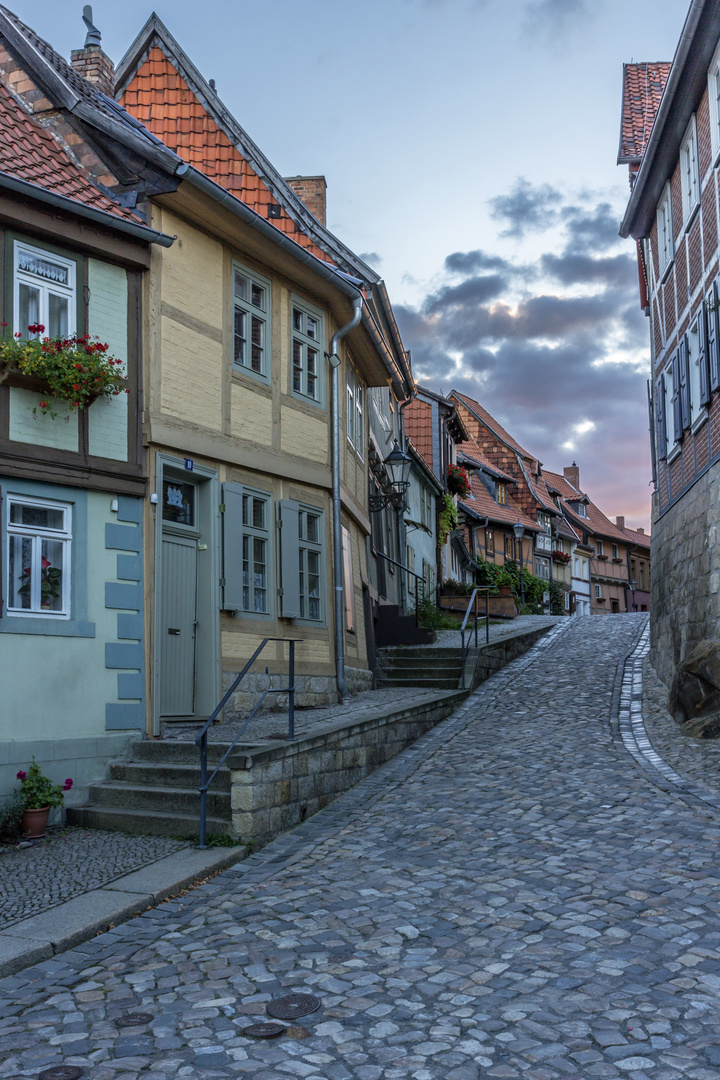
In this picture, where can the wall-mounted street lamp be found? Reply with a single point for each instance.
(519, 531)
(398, 466)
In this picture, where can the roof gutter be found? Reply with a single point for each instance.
(89, 213)
(672, 85)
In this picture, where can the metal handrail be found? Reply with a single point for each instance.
(420, 580)
(474, 603)
(201, 737)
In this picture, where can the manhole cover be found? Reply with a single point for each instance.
(133, 1020)
(292, 1006)
(61, 1072)
(263, 1031)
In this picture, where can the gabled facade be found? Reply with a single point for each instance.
(73, 486)
(672, 214)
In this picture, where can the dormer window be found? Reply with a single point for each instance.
(500, 494)
(579, 508)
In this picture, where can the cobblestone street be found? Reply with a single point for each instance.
(516, 895)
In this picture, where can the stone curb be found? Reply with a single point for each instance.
(42, 936)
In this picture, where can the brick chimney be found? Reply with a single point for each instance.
(572, 474)
(312, 190)
(91, 61)
(620, 522)
(640, 531)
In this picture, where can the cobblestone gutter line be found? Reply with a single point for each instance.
(632, 730)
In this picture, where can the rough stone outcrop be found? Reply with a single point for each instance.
(694, 699)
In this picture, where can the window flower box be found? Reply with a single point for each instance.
(75, 370)
(458, 481)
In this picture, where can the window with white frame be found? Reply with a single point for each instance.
(580, 509)
(307, 351)
(693, 340)
(39, 534)
(598, 592)
(426, 507)
(355, 412)
(615, 551)
(310, 534)
(542, 569)
(410, 563)
(714, 97)
(689, 172)
(666, 242)
(256, 521)
(600, 548)
(500, 493)
(251, 321)
(44, 292)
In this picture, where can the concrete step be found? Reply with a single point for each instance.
(422, 683)
(410, 652)
(169, 751)
(171, 775)
(159, 800)
(143, 822)
(417, 663)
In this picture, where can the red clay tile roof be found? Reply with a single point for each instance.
(470, 451)
(418, 428)
(538, 489)
(483, 505)
(28, 152)
(423, 461)
(556, 482)
(160, 99)
(643, 86)
(641, 539)
(485, 418)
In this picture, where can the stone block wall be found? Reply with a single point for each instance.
(685, 605)
(274, 788)
(311, 691)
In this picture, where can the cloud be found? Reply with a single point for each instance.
(526, 208)
(371, 258)
(555, 350)
(553, 18)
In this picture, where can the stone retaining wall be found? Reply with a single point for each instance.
(275, 787)
(311, 691)
(491, 658)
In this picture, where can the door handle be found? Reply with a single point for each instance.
(172, 630)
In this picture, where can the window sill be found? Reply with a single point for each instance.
(617, 560)
(674, 453)
(665, 274)
(28, 624)
(252, 379)
(603, 557)
(700, 420)
(693, 214)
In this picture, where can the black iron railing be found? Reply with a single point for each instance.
(419, 580)
(201, 739)
(464, 629)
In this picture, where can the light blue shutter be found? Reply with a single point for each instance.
(703, 356)
(660, 418)
(714, 338)
(289, 549)
(684, 367)
(232, 533)
(677, 415)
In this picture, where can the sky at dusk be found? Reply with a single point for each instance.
(469, 148)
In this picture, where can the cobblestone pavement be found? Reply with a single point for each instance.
(498, 630)
(513, 896)
(70, 862)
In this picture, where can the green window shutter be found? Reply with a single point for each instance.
(232, 530)
(703, 356)
(289, 558)
(714, 338)
(684, 365)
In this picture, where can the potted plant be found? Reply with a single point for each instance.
(458, 481)
(504, 583)
(39, 795)
(76, 370)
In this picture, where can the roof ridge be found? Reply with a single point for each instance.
(155, 31)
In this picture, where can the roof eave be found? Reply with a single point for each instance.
(683, 90)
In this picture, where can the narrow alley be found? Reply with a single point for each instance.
(517, 895)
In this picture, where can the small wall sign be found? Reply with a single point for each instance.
(189, 464)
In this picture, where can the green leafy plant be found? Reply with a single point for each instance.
(76, 369)
(50, 582)
(431, 617)
(557, 598)
(447, 519)
(38, 791)
(10, 818)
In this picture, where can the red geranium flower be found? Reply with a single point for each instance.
(22, 775)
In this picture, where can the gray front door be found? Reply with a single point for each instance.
(177, 629)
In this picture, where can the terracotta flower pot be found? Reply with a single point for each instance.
(34, 823)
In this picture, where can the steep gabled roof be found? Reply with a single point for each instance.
(643, 86)
(69, 90)
(29, 153)
(483, 505)
(560, 484)
(470, 451)
(642, 539)
(490, 422)
(418, 428)
(159, 84)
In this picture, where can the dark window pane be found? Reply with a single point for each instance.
(178, 502)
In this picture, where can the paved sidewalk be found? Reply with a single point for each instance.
(516, 895)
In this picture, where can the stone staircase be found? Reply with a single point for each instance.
(426, 669)
(155, 792)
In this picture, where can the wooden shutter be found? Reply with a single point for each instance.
(703, 356)
(714, 339)
(660, 419)
(232, 534)
(289, 558)
(653, 430)
(677, 414)
(684, 352)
